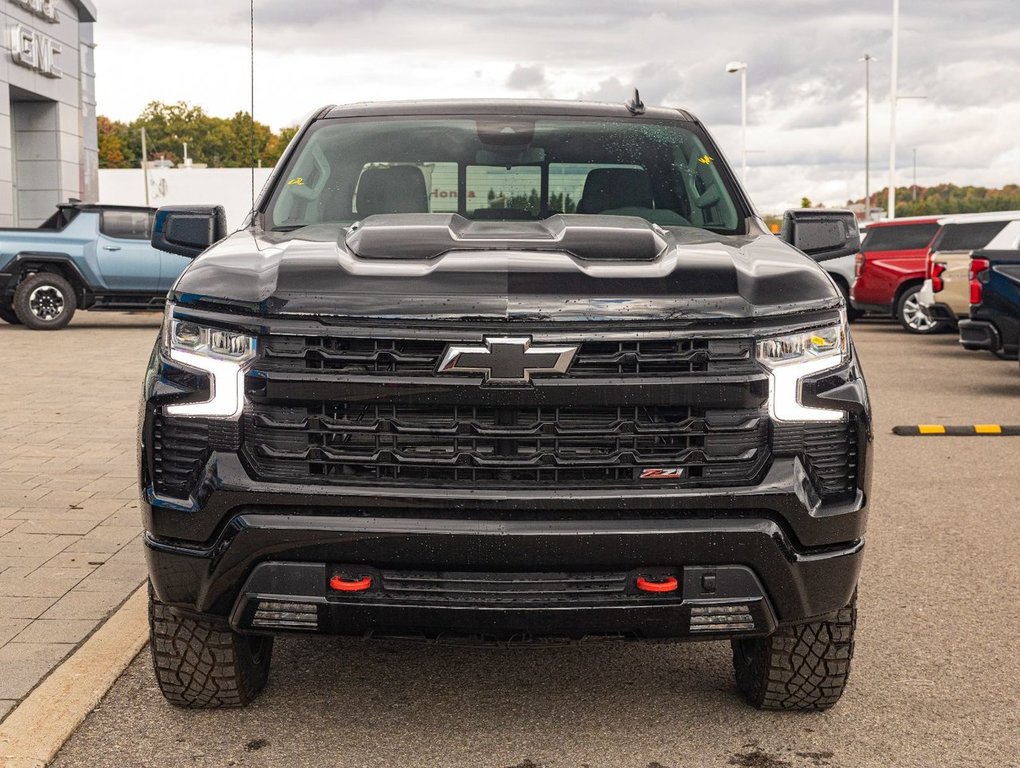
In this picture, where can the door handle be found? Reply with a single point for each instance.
(111, 247)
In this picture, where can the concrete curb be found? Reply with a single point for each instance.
(33, 733)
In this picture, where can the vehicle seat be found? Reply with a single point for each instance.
(607, 189)
(400, 189)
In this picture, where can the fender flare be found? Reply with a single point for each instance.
(26, 259)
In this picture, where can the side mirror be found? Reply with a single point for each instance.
(188, 230)
(822, 233)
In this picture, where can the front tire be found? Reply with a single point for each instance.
(200, 665)
(45, 302)
(914, 316)
(804, 667)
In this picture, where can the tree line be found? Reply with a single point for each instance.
(219, 142)
(948, 198)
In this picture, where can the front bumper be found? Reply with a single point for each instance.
(804, 555)
(265, 560)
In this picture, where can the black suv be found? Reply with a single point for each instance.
(504, 371)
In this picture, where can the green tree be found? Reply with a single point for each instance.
(216, 141)
(115, 149)
(949, 198)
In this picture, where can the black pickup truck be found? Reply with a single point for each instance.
(512, 372)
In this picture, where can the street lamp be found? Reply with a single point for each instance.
(867, 59)
(893, 100)
(733, 67)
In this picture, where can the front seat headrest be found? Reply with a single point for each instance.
(606, 189)
(400, 189)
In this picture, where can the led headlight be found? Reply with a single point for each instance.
(792, 358)
(220, 353)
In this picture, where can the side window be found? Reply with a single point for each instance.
(967, 237)
(898, 237)
(126, 225)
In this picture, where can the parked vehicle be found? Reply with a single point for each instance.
(376, 411)
(843, 271)
(890, 271)
(946, 290)
(85, 256)
(994, 322)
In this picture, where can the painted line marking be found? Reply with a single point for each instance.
(35, 731)
(988, 429)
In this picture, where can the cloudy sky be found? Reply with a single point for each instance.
(805, 83)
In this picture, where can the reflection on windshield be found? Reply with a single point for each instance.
(504, 169)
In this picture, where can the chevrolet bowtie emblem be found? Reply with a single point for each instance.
(507, 360)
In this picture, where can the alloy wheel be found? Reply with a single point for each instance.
(46, 302)
(917, 316)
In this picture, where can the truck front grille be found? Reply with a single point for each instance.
(503, 447)
(420, 357)
(430, 587)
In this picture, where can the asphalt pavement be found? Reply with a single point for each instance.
(935, 678)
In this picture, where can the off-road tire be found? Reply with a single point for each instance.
(199, 665)
(39, 285)
(907, 309)
(804, 667)
(8, 316)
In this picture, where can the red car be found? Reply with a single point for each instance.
(891, 270)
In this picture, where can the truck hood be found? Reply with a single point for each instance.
(445, 267)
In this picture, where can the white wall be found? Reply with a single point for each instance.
(229, 187)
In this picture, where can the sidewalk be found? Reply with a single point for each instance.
(70, 549)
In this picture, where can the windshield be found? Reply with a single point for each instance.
(505, 168)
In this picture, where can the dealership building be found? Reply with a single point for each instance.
(49, 147)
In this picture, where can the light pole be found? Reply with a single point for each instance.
(145, 165)
(733, 67)
(867, 59)
(894, 76)
(913, 187)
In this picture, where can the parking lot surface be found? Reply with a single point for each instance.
(935, 679)
(70, 549)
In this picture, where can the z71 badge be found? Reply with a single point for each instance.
(663, 473)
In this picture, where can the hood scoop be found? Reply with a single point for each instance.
(425, 236)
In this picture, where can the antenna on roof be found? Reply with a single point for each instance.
(635, 105)
(254, 152)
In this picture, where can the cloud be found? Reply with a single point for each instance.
(805, 83)
(526, 78)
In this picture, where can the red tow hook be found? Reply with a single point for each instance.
(664, 584)
(340, 584)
